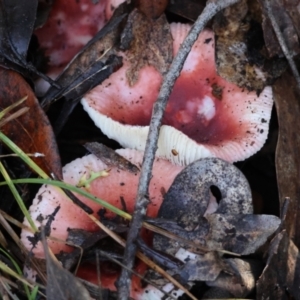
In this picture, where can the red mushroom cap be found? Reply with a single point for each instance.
(117, 184)
(205, 116)
(70, 25)
(110, 188)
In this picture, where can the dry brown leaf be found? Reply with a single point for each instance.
(280, 278)
(242, 234)
(149, 42)
(152, 9)
(61, 284)
(233, 59)
(188, 9)
(287, 15)
(292, 7)
(110, 157)
(287, 153)
(32, 131)
(242, 282)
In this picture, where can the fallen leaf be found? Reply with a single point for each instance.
(169, 262)
(189, 195)
(149, 42)
(239, 233)
(234, 60)
(294, 14)
(31, 131)
(280, 278)
(152, 9)
(242, 234)
(287, 153)
(110, 157)
(205, 267)
(189, 9)
(82, 239)
(287, 15)
(231, 228)
(61, 284)
(17, 19)
(97, 292)
(242, 282)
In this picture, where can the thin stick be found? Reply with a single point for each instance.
(281, 41)
(211, 9)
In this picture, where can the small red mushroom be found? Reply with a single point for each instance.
(205, 116)
(70, 25)
(118, 184)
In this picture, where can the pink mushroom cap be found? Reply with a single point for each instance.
(70, 25)
(118, 184)
(206, 116)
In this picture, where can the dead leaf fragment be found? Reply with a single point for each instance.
(239, 233)
(287, 15)
(189, 195)
(149, 43)
(242, 234)
(152, 9)
(280, 278)
(189, 9)
(205, 267)
(61, 284)
(17, 19)
(287, 153)
(234, 62)
(32, 131)
(110, 157)
(242, 282)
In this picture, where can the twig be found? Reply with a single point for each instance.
(211, 9)
(281, 41)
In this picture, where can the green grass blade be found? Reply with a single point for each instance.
(19, 271)
(74, 189)
(11, 107)
(17, 196)
(34, 293)
(10, 144)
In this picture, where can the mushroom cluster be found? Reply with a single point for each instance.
(206, 116)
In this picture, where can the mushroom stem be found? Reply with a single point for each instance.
(211, 9)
